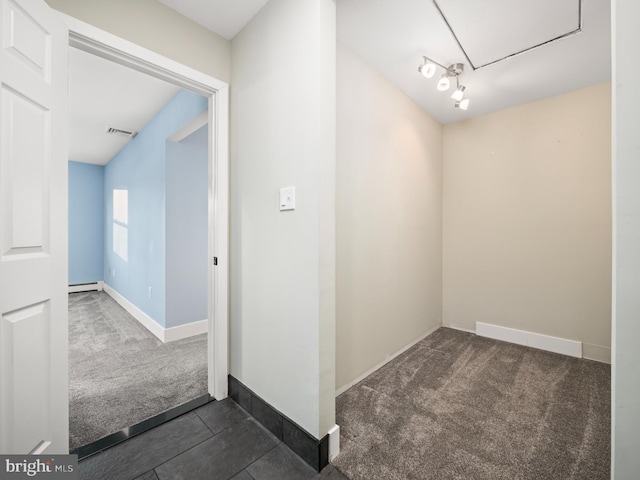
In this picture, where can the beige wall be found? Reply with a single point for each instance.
(388, 219)
(527, 219)
(282, 337)
(156, 27)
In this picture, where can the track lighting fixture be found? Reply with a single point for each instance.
(428, 69)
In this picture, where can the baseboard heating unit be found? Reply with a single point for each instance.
(87, 287)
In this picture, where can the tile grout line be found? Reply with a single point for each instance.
(176, 456)
(184, 451)
(205, 423)
(224, 429)
(270, 450)
(198, 444)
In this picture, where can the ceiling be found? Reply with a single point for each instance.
(104, 94)
(225, 17)
(393, 35)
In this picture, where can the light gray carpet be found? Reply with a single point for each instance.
(121, 374)
(458, 406)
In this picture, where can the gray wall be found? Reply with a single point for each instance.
(282, 263)
(626, 264)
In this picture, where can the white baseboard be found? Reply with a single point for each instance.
(184, 331)
(453, 327)
(597, 353)
(87, 287)
(146, 321)
(564, 346)
(165, 335)
(334, 442)
(347, 386)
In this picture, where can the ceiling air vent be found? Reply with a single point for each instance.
(122, 133)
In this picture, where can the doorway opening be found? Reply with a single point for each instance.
(194, 198)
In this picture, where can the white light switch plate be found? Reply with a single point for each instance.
(288, 198)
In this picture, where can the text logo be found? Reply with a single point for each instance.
(45, 467)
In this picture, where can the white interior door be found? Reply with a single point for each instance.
(33, 230)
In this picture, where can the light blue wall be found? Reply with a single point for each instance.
(140, 168)
(86, 223)
(186, 224)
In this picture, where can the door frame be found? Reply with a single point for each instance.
(93, 40)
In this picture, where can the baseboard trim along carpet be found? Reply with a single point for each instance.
(460, 329)
(313, 451)
(163, 334)
(596, 353)
(334, 442)
(87, 287)
(347, 386)
(564, 346)
(172, 334)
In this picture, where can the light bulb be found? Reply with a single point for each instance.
(428, 69)
(458, 93)
(463, 104)
(444, 83)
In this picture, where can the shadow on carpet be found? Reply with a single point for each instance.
(459, 406)
(120, 374)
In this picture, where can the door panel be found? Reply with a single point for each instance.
(33, 230)
(25, 37)
(27, 401)
(24, 171)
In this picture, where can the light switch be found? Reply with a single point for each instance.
(288, 198)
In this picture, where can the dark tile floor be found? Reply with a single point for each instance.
(218, 441)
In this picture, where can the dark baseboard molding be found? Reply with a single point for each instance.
(126, 433)
(313, 451)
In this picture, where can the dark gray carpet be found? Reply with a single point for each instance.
(120, 374)
(458, 406)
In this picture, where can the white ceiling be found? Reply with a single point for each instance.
(393, 35)
(104, 94)
(225, 17)
(507, 20)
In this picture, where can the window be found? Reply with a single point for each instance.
(121, 223)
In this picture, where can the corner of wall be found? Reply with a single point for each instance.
(389, 228)
(282, 281)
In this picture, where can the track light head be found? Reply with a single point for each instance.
(427, 69)
(463, 104)
(458, 93)
(444, 83)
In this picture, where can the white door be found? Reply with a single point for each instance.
(33, 229)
